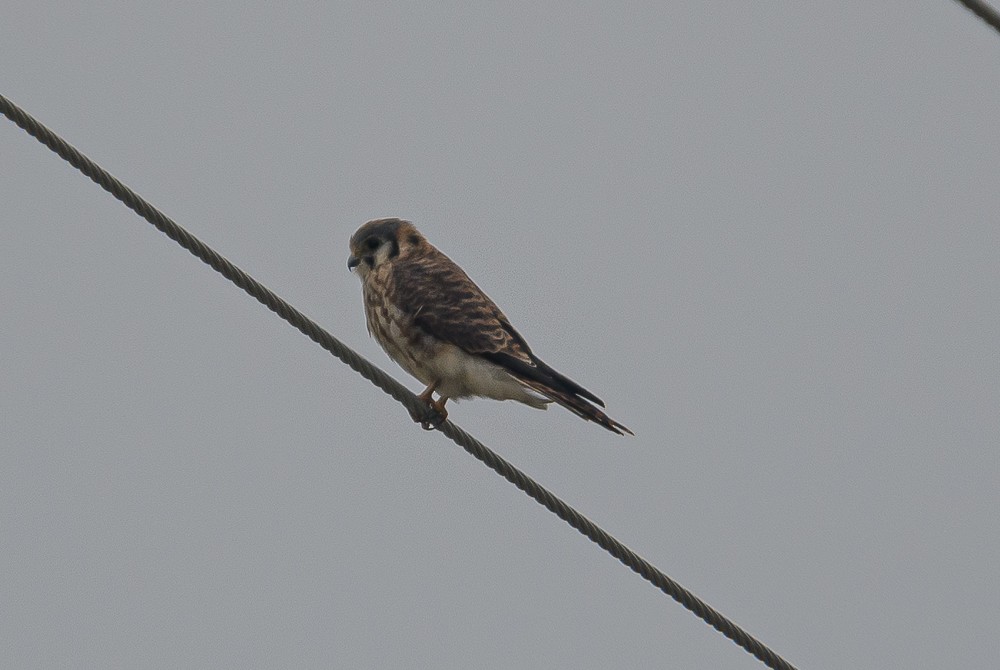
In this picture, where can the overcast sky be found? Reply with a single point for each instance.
(765, 234)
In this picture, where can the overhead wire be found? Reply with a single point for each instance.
(985, 11)
(392, 387)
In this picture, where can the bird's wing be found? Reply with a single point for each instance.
(447, 304)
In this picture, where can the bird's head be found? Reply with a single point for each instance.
(380, 241)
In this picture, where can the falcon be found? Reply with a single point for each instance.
(441, 328)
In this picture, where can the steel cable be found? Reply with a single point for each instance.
(392, 387)
(985, 11)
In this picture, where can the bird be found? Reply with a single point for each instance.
(440, 327)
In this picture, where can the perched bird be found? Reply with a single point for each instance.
(442, 329)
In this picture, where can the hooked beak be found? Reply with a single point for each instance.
(353, 262)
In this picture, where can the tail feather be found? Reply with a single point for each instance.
(568, 384)
(577, 405)
(542, 379)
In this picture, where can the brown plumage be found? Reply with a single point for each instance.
(442, 329)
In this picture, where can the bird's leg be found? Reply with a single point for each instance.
(436, 416)
(425, 396)
(438, 413)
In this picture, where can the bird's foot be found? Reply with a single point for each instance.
(434, 417)
(435, 414)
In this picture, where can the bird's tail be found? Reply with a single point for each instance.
(579, 406)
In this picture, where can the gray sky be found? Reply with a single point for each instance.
(767, 237)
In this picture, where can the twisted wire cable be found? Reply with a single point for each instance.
(390, 386)
(985, 11)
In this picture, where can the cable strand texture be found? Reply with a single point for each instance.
(390, 386)
(985, 11)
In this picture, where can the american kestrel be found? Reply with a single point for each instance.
(442, 329)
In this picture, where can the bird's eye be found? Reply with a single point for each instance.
(372, 243)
